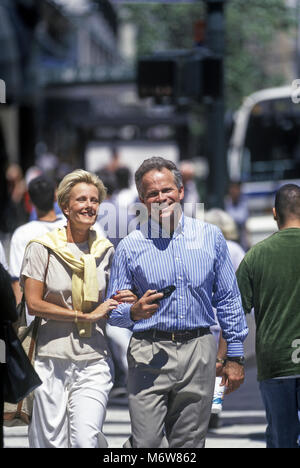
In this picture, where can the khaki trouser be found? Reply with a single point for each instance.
(170, 387)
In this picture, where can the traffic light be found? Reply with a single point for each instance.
(159, 76)
(213, 76)
(172, 75)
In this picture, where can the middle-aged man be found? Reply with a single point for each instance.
(269, 281)
(172, 354)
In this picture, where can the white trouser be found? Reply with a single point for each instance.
(70, 406)
(119, 339)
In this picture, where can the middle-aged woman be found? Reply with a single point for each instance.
(65, 275)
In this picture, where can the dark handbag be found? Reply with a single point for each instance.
(19, 399)
(20, 385)
(20, 378)
(8, 301)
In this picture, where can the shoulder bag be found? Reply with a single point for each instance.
(20, 376)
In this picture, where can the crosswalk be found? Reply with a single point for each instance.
(238, 429)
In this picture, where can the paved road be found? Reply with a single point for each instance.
(242, 422)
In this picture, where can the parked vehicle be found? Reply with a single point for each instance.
(264, 153)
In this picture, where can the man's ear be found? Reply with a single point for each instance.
(274, 214)
(181, 193)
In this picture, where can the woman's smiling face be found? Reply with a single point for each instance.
(83, 205)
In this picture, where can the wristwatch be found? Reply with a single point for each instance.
(239, 359)
(220, 361)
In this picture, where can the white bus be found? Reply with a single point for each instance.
(264, 153)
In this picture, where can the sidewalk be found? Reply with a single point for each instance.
(239, 429)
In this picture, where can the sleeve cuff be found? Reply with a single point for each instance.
(120, 317)
(235, 349)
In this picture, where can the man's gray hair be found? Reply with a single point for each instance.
(159, 164)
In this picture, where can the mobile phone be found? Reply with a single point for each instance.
(167, 291)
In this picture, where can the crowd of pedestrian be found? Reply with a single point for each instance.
(97, 280)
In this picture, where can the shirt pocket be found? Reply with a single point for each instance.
(200, 272)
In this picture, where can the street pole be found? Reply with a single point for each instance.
(297, 51)
(215, 107)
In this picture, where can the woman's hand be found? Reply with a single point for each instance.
(125, 296)
(102, 311)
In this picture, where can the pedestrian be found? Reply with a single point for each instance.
(191, 194)
(268, 278)
(16, 184)
(229, 230)
(172, 354)
(41, 190)
(236, 205)
(8, 313)
(123, 201)
(3, 260)
(64, 276)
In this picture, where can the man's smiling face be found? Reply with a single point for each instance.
(160, 194)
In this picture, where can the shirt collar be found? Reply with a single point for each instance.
(180, 228)
(155, 230)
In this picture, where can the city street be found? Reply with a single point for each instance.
(242, 422)
(138, 139)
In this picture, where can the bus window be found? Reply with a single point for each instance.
(272, 142)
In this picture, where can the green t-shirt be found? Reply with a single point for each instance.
(269, 281)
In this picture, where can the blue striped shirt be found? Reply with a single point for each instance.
(196, 260)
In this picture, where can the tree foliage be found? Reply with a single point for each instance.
(252, 27)
(252, 30)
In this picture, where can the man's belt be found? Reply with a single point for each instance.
(180, 336)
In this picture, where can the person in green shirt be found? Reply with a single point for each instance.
(269, 282)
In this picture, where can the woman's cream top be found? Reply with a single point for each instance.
(57, 338)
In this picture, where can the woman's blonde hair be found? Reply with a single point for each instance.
(76, 177)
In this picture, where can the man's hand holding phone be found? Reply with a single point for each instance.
(167, 291)
(148, 304)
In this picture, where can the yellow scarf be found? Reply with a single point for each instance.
(85, 288)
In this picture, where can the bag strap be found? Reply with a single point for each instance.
(36, 324)
(46, 270)
(37, 320)
(23, 300)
